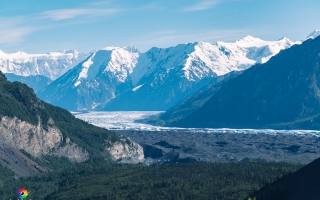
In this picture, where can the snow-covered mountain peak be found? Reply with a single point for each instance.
(132, 49)
(165, 60)
(114, 74)
(284, 43)
(19, 54)
(70, 51)
(122, 62)
(250, 41)
(203, 59)
(200, 43)
(115, 60)
(222, 57)
(314, 34)
(51, 65)
(110, 48)
(284, 39)
(248, 38)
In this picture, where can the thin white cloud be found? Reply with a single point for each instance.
(63, 14)
(100, 3)
(14, 36)
(151, 6)
(203, 5)
(13, 30)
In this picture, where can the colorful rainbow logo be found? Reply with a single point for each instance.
(22, 193)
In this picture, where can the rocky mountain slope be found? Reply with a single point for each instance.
(124, 79)
(190, 103)
(39, 129)
(282, 93)
(94, 81)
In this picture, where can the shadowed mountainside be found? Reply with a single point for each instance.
(281, 94)
(302, 184)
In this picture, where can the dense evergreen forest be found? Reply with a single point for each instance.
(101, 179)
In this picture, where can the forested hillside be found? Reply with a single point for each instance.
(98, 179)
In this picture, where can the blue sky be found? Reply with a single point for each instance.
(36, 26)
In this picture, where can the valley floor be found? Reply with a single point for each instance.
(222, 147)
(163, 144)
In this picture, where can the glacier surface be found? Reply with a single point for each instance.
(125, 120)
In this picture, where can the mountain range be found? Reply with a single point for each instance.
(51, 65)
(117, 78)
(280, 94)
(38, 70)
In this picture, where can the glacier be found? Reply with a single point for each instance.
(126, 120)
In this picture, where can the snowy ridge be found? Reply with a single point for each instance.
(165, 58)
(118, 61)
(202, 59)
(314, 34)
(126, 121)
(167, 74)
(51, 65)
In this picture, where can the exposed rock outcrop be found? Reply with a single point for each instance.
(42, 140)
(38, 140)
(126, 151)
(72, 151)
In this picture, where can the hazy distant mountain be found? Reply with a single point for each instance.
(51, 65)
(35, 82)
(124, 79)
(282, 93)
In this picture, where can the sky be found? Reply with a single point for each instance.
(41, 26)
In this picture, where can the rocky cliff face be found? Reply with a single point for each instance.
(126, 151)
(38, 140)
(48, 140)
